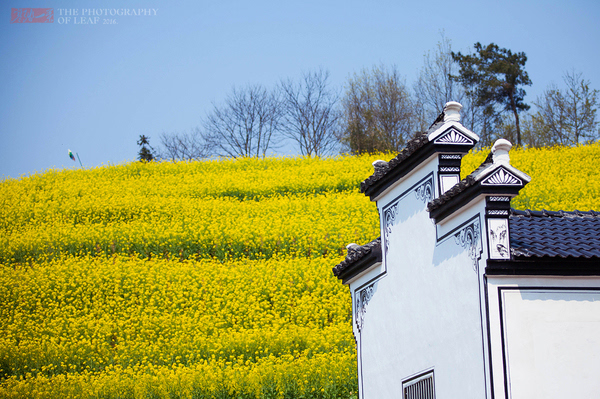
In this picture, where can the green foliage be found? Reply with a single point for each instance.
(145, 153)
(493, 76)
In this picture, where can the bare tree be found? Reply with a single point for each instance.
(437, 84)
(535, 132)
(310, 115)
(185, 146)
(378, 112)
(245, 124)
(568, 116)
(435, 87)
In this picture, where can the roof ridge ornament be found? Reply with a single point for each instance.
(379, 163)
(446, 136)
(502, 177)
(352, 247)
(500, 152)
(454, 137)
(380, 167)
(452, 111)
(447, 129)
(495, 177)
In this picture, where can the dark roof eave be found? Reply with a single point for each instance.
(400, 170)
(554, 214)
(409, 161)
(361, 265)
(544, 266)
(358, 260)
(447, 206)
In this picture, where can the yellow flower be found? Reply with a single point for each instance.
(203, 278)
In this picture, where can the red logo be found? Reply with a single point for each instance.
(31, 15)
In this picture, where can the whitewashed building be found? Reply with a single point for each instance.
(464, 297)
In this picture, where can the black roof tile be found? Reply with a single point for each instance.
(460, 187)
(416, 150)
(358, 259)
(411, 147)
(554, 234)
(542, 242)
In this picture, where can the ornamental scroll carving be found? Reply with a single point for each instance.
(469, 237)
(362, 300)
(424, 192)
(502, 177)
(453, 137)
(389, 217)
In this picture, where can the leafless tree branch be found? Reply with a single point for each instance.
(245, 125)
(310, 116)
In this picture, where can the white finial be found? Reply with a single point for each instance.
(452, 111)
(352, 246)
(379, 164)
(500, 151)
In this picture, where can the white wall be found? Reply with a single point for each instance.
(424, 311)
(545, 336)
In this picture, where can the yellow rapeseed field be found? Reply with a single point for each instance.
(562, 178)
(203, 279)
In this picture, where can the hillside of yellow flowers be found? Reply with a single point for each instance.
(204, 279)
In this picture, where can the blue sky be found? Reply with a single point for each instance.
(95, 88)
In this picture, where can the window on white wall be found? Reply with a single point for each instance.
(447, 182)
(419, 387)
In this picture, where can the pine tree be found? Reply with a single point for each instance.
(146, 151)
(493, 76)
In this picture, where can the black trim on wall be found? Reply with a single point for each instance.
(358, 340)
(503, 343)
(476, 223)
(489, 335)
(457, 228)
(500, 313)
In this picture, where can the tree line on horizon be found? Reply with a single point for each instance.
(377, 111)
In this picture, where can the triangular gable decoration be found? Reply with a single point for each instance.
(502, 177)
(453, 136)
